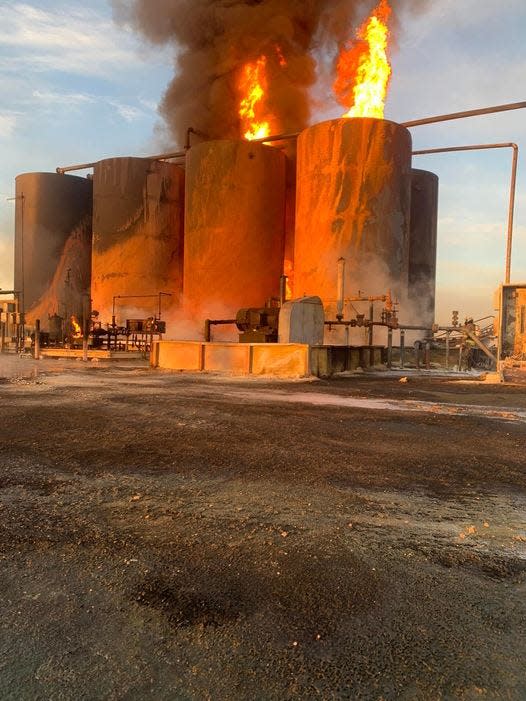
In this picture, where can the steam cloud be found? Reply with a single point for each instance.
(213, 39)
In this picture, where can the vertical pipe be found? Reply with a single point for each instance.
(417, 355)
(371, 319)
(390, 348)
(428, 355)
(3, 322)
(37, 339)
(85, 323)
(448, 336)
(460, 358)
(341, 288)
(208, 335)
(402, 348)
(511, 212)
(282, 290)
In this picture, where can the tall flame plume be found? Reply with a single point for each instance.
(363, 69)
(253, 88)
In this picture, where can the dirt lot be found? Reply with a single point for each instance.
(174, 537)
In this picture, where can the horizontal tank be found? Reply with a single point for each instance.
(52, 245)
(234, 227)
(137, 238)
(353, 202)
(423, 247)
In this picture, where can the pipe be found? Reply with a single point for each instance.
(513, 186)
(511, 211)
(294, 135)
(417, 354)
(389, 348)
(427, 356)
(277, 137)
(37, 339)
(158, 157)
(341, 288)
(190, 131)
(79, 166)
(468, 113)
(420, 122)
(283, 289)
(402, 348)
(448, 336)
(215, 322)
(85, 323)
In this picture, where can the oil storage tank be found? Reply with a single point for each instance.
(52, 245)
(137, 253)
(353, 202)
(423, 247)
(234, 227)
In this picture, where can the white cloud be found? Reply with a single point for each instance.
(56, 98)
(50, 98)
(127, 112)
(64, 38)
(8, 124)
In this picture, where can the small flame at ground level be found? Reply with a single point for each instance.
(363, 68)
(253, 87)
(77, 331)
(288, 270)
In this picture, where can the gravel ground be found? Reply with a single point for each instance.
(169, 536)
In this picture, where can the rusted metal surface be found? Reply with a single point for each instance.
(52, 244)
(234, 227)
(353, 202)
(137, 236)
(423, 247)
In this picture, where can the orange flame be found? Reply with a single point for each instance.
(77, 331)
(363, 68)
(288, 270)
(253, 86)
(281, 58)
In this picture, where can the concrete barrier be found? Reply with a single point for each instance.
(277, 359)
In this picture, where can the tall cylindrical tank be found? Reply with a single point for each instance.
(137, 237)
(353, 202)
(234, 227)
(423, 247)
(52, 245)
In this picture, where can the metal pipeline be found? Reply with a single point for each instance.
(341, 289)
(420, 122)
(464, 115)
(157, 157)
(294, 135)
(37, 339)
(283, 289)
(513, 185)
(215, 322)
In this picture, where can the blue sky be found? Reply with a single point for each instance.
(77, 88)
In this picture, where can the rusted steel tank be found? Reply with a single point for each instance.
(423, 247)
(138, 210)
(353, 202)
(52, 244)
(234, 227)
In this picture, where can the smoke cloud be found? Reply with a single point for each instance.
(213, 39)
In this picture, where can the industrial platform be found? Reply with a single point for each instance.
(92, 354)
(275, 359)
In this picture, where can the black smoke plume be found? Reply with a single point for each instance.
(213, 39)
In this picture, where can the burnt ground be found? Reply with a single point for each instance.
(177, 537)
